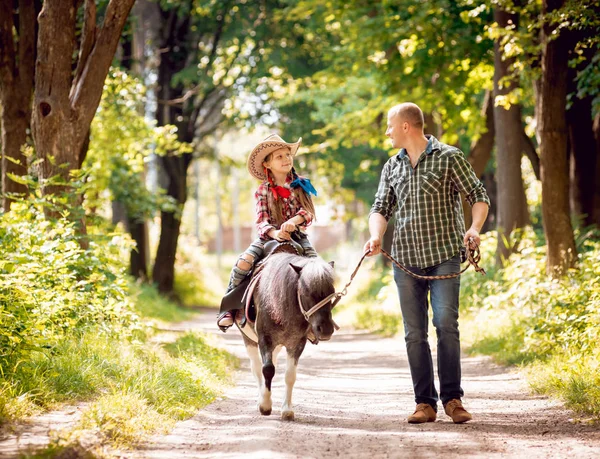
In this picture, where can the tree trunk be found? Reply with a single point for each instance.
(164, 264)
(481, 150)
(172, 60)
(552, 131)
(583, 159)
(138, 258)
(512, 205)
(531, 153)
(431, 126)
(64, 105)
(596, 205)
(16, 86)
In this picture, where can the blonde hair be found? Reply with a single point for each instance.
(409, 112)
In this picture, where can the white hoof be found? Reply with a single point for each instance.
(287, 415)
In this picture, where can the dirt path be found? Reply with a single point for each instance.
(351, 398)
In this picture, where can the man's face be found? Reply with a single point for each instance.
(396, 131)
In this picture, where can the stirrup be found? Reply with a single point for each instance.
(221, 316)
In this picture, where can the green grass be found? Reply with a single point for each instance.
(151, 305)
(134, 389)
(378, 321)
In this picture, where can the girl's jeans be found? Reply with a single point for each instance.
(444, 294)
(257, 250)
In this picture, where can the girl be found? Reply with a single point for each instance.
(283, 205)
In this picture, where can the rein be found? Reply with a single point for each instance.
(473, 257)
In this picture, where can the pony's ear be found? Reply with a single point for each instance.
(296, 267)
(332, 263)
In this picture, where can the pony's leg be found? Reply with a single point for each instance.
(256, 366)
(287, 412)
(268, 370)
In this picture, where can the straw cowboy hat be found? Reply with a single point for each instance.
(263, 149)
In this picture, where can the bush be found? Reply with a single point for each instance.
(553, 325)
(51, 287)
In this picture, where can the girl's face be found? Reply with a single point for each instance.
(280, 161)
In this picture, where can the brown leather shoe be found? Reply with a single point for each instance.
(455, 410)
(423, 413)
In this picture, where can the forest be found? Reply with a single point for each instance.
(125, 129)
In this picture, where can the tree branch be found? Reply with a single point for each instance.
(88, 91)
(88, 37)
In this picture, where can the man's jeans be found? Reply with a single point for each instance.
(444, 303)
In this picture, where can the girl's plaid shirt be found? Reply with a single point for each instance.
(425, 200)
(290, 208)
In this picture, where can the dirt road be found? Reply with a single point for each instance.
(351, 398)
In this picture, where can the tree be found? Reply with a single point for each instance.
(207, 54)
(552, 132)
(512, 205)
(65, 102)
(17, 57)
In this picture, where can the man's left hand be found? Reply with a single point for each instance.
(472, 233)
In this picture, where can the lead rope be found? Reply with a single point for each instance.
(473, 257)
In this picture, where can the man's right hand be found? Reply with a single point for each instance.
(373, 246)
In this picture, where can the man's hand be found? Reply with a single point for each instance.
(288, 227)
(373, 246)
(472, 233)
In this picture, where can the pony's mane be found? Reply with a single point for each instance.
(281, 282)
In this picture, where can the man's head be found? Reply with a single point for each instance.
(405, 122)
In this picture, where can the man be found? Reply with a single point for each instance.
(422, 185)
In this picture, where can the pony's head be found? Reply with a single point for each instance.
(314, 285)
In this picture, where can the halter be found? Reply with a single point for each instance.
(316, 307)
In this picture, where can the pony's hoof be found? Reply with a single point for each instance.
(287, 416)
(264, 412)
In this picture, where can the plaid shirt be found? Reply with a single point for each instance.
(291, 208)
(429, 226)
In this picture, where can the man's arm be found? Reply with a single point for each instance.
(377, 227)
(479, 213)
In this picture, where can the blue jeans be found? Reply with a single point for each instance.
(444, 304)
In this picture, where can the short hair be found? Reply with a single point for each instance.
(409, 112)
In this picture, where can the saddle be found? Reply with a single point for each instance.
(241, 296)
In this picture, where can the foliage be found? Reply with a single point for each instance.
(121, 143)
(522, 316)
(136, 389)
(50, 286)
(196, 283)
(70, 331)
(378, 321)
(152, 305)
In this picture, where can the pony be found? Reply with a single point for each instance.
(288, 287)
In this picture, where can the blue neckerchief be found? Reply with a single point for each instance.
(305, 184)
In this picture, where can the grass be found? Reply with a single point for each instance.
(151, 305)
(133, 389)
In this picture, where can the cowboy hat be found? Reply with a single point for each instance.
(263, 149)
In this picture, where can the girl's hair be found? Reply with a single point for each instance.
(275, 206)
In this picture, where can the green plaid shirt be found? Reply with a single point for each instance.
(430, 226)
